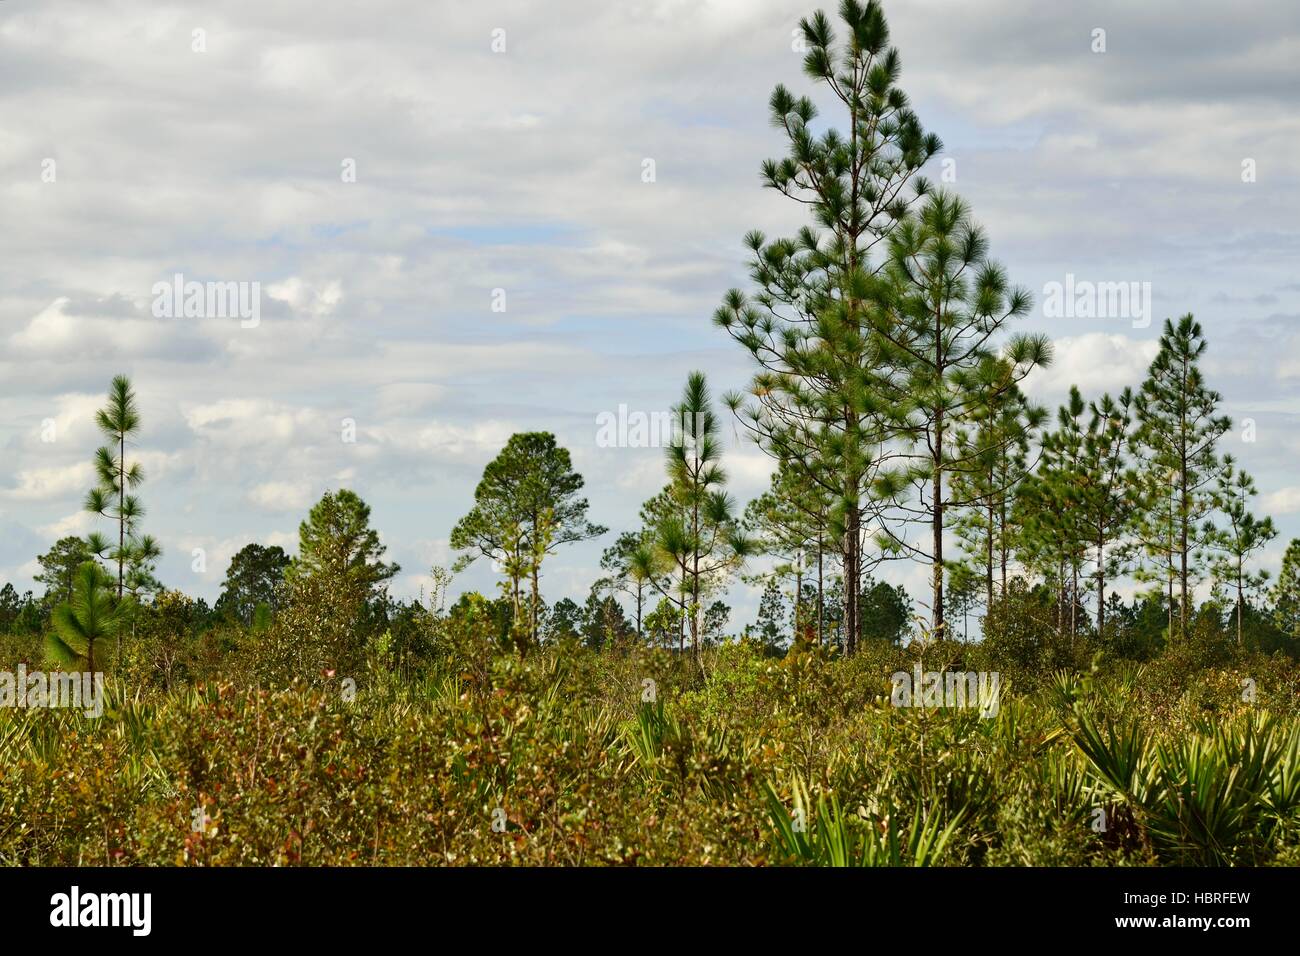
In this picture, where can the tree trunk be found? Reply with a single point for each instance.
(798, 592)
(121, 518)
(988, 577)
(1183, 514)
(640, 598)
(695, 576)
(1183, 605)
(820, 605)
(532, 612)
(1060, 597)
(681, 614)
(1101, 590)
(1074, 600)
(516, 613)
(937, 484)
(1171, 598)
(851, 555)
(936, 615)
(1002, 544)
(1241, 599)
(121, 529)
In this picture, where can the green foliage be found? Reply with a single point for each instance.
(642, 757)
(1020, 633)
(885, 610)
(827, 836)
(526, 506)
(1178, 431)
(564, 620)
(91, 615)
(337, 546)
(603, 623)
(693, 525)
(943, 302)
(1216, 797)
(1286, 593)
(770, 627)
(991, 463)
(253, 580)
(634, 568)
(59, 567)
(816, 403)
(134, 554)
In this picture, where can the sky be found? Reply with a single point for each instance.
(446, 209)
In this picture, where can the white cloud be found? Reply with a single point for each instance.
(1283, 501)
(1096, 361)
(41, 484)
(77, 523)
(279, 496)
(310, 298)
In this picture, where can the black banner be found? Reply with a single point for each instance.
(336, 906)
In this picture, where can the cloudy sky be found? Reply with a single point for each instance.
(133, 148)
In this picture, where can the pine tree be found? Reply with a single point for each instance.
(631, 564)
(885, 610)
(337, 546)
(254, 578)
(962, 594)
(59, 567)
(1241, 535)
(1105, 498)
(945, 305)
(1078, 509)
(663, 512)
(603, 622)
(89, 616)
(1286, 593)
(716, 616)
(134, 554)
(1053, 539)
(812, 404)
(770, 626)
(1178, 430)
(526, 505)
(337, 580)
(119, 421)
(564, 620)
(790, 521)
(701, 535)
(663, 625)
(994, 443)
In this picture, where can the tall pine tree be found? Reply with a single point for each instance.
(1179, 427)
(808, 327)
(946, 307)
